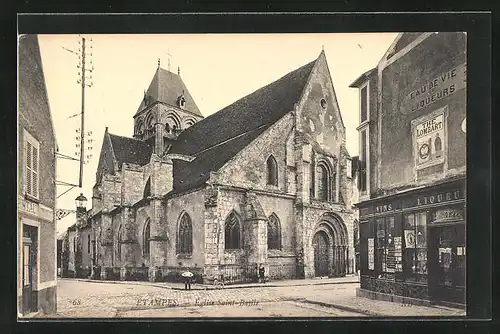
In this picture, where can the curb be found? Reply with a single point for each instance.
(342, 307)
(207, 287)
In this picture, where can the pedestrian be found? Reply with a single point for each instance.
(188, 276)
(187, 283)
(262, 274)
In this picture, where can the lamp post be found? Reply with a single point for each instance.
(81, 217)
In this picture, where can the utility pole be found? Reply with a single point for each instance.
(82, 81)
(82, 135)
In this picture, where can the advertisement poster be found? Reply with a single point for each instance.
(398, 254)
(429, 136)
(410, 238)
(371, 254)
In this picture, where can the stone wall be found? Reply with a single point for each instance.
(191, 204)
(248, 168)
(132, 185)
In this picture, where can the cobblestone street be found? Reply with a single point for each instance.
(108, 300)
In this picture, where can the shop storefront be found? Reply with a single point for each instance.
(412, 245)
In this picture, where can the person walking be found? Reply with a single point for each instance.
(262, 272)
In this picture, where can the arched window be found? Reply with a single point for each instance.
(150, 121)
(88, 245)
(232, 232)
(74, 245)
(146, 234)
(323, 178)
(273, 233)
(167, 127)
(140, 127)
(147, 189)
(272, 171)
(185, 235)
(119, 238)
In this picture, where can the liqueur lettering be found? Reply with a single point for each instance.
(443, 197)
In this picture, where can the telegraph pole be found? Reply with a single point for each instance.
(82, 134)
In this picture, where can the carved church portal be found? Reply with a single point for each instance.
(321, 247)
(330, 247)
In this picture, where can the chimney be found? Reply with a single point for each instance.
(178, 71)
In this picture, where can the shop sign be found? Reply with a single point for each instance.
(440, 198)
(448, 214)
(29, 207)
(383, 208)
(445, 84)
(434, 198)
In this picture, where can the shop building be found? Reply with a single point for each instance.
(36, 224)
(412, 171)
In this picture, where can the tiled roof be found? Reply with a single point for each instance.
(217, 138)
(130, 150)
(167, 87)
(362, 78)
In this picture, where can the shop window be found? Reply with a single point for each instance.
(385, 255)
(415, 252)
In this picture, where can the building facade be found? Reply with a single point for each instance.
(37, 269)
(266, 180)
(412, 171)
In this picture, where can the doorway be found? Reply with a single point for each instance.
(321, 246)
(29, 298)
(447, 253)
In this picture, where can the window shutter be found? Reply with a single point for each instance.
(35, 172)
(29, 168)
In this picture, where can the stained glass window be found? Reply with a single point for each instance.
(145, 237)
(273, 233)
(232, 232)
(272, 171)
(185, 239)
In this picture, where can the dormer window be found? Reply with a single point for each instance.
(182, 101)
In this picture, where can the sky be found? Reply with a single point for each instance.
(217, 69)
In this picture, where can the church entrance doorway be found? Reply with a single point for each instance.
(329, 245)
(321, 246)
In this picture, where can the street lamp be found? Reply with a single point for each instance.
(81, 203)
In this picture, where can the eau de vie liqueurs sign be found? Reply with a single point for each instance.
(439, 87)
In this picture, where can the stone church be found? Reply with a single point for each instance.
(265, 181)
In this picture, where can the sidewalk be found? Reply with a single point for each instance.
(378, 308)
(196, 286)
